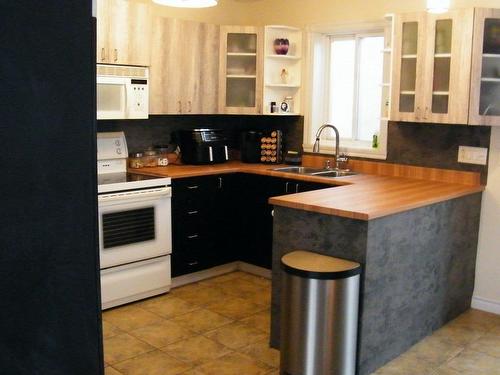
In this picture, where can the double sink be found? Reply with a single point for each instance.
(319, 172)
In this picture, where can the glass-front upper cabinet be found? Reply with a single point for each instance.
(485, 73)
(449, 47)
(408, 56)
(240, 74)
(431, 63)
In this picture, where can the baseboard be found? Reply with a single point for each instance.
(205, 274)
(486, 305)
(254, 270)
(220, 270)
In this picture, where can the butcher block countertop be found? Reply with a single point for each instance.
(362, 197)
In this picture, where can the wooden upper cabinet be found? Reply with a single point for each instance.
(485, 76)
(123, 32)
(408, 67)
(184, 67)
(240, 71)
(447, 67)
(431, 67)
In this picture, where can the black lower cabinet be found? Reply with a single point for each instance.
(257, 237)
(222, 218)
(202, 222)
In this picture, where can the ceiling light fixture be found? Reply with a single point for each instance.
(438, 6)
(187, 3)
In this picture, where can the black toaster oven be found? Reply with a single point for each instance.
(203, 146)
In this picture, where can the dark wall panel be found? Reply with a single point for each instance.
(142, 134)
(49, 288)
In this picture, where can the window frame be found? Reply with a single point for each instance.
(317, 113)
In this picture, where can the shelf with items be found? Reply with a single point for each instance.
(282, 69)
(283, 57)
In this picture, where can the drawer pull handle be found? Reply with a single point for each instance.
(193, 263)
(193, 236)
(193, 187)
(192, 212)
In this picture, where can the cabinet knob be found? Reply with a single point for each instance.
(179, 103)
(190, 107)
(116, 55)
(192, 212)
(425, 112)
(103, 54)
(193, 236)
(193, 263)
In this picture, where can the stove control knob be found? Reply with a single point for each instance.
(117, 142)
(119, 151)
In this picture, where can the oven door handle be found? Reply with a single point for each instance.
(137, 194)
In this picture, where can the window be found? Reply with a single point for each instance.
(348, 91)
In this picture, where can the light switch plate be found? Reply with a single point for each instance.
(472, 155)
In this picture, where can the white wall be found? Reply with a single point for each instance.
(487, 290)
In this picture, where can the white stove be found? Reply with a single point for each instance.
(135, 238)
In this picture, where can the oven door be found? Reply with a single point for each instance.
(112, 97)
(134, 226)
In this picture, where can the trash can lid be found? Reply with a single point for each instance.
(317, 266)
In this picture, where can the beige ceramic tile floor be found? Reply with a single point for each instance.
(220, 326)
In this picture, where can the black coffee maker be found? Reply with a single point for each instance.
(250, 146)
(203, 146)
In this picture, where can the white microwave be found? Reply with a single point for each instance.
(122, 92)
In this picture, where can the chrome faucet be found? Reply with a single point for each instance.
(337, 143)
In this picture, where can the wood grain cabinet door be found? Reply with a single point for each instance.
(408, 67)
(184, 67)
(448, 48)
(129, 32)
(241, 70)
(485, 77)
(102, 45)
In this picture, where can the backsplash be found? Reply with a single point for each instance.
(431, 145)
(426, 145)
(142, 134)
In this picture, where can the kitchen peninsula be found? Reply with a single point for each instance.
(416, 239)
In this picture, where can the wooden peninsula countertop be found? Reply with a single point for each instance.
(364, 196)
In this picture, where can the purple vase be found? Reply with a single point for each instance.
(281, 46)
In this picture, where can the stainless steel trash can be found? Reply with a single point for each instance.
(319, 314)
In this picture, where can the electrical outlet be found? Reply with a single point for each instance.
(472, 155)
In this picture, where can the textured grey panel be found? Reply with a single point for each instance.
(418, 269)
(301, 230)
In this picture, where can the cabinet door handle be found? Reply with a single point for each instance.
(417, 113)
(103, 54)
(272, 213)
(193, 236)
(286, 187)
(116, 55)
(220, 182)
(192, 263)
(179, 103)
(192, 212)
(296, 188)
(193, 187)
(190, 107)
(425, 112)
